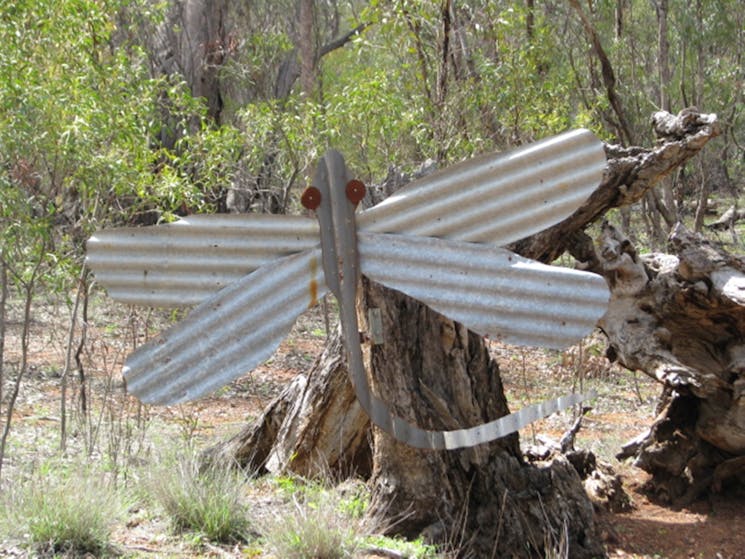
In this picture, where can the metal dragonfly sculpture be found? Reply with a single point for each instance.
(436, 240)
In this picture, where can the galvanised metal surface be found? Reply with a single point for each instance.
(498, 198)
(227, 335)
(343, 254)
(182, 263)
(493, 291)
(237, 328)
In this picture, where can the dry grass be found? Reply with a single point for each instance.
(122, 440)
(63, 510)
(209, 500)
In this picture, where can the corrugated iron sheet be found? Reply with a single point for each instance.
(512, 422)
(492, 291)
(498, 198)
(425, 267)
(227, 335)
(182, 263)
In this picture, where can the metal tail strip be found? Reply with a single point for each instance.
(513, 422)
(228, 334)
(344, 242)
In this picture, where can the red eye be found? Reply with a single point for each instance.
(355, 191)
(311, 198)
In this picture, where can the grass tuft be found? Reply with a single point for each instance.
(208, 500)
(315, 526)
(62, 512)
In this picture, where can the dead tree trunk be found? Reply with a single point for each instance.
(681, 319)
(437, 374)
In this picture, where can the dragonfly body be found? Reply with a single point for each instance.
(434, 240)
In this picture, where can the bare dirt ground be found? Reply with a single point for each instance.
(710, 529)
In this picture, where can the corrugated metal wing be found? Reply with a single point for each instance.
(243, 316)
(183, 263)
(498, 198)
(227, 335)
(492, 291)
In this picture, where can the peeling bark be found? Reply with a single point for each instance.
(313, 427)
(681, 319)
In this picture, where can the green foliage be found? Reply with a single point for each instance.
(415, 549)
(324, 522)
(60, 510)
(385, 101)
(354, 498)
(205, 499)
(82, 125)
(90, 136)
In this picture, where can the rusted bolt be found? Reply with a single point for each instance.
(355, 191)
(311, 198)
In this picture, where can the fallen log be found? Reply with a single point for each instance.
(728, 219)
(680, 318)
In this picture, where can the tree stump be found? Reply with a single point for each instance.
(435, 373)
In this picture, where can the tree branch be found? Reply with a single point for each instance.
(630, 173)
(341, 41)
(289, 70)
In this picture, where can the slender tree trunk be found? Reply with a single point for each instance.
(609, 77)
(416, 33)
(22, 368)
(307, 47)
(443, 81)
(666, 205)
(618, 21)
(68, 358)
(703, 198)
(663, 65)
(3, 315)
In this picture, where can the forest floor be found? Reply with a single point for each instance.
(121, 432)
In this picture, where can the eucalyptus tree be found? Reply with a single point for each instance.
(80, 122)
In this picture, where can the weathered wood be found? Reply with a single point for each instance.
(315, 426)
(681, 319)
(728, 219)
(193, 42)
(631, 172)
(437, 374)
